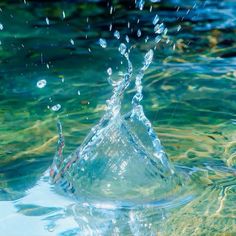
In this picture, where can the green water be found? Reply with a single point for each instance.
(189, 96)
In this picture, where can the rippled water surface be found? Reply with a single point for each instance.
(189, 96)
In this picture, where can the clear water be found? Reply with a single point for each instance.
(188, 95)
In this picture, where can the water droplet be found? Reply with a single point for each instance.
(41, 83)
(122, 48)
(56, 107)
(146, 39)
(179, 28)
(47, 21)
(157, 39)
(148, 58)
(117, 34)
(159, 28)
(109, 71)
(155, 20)
(89, 49)
(78, 92)
(174, 47)
(111, 10)
(127, 38)
(63, 15)
(103, 43)
(1, 26)
(110, 27)
(72, 42)
(47, 66)
(140, 4)
(165, 31)
(139, 33)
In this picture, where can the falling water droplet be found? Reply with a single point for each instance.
(165, 31)
(41, 83)
(157, 39)
(1, 26)
(155, 20)
(109, 71)
(148, 59)
(140, 4)
(139, 33)
(179, 28)
(122, 48)
(117, 34)
(47, 21)
(127, 38)
(146, 39)
(63, 15)
(110, 27)
(159, 28)
(78, 92)
(111, 10)
(72, 42)
(56, 107)
(103, 43)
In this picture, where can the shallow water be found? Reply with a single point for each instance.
(189, 96)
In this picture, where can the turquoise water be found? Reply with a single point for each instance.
(189, 96)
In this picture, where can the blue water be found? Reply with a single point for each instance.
(189, 97)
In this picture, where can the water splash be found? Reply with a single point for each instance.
(121, 163)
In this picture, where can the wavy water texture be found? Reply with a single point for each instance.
(189, 97)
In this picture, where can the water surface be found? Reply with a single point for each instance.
(189, 95)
